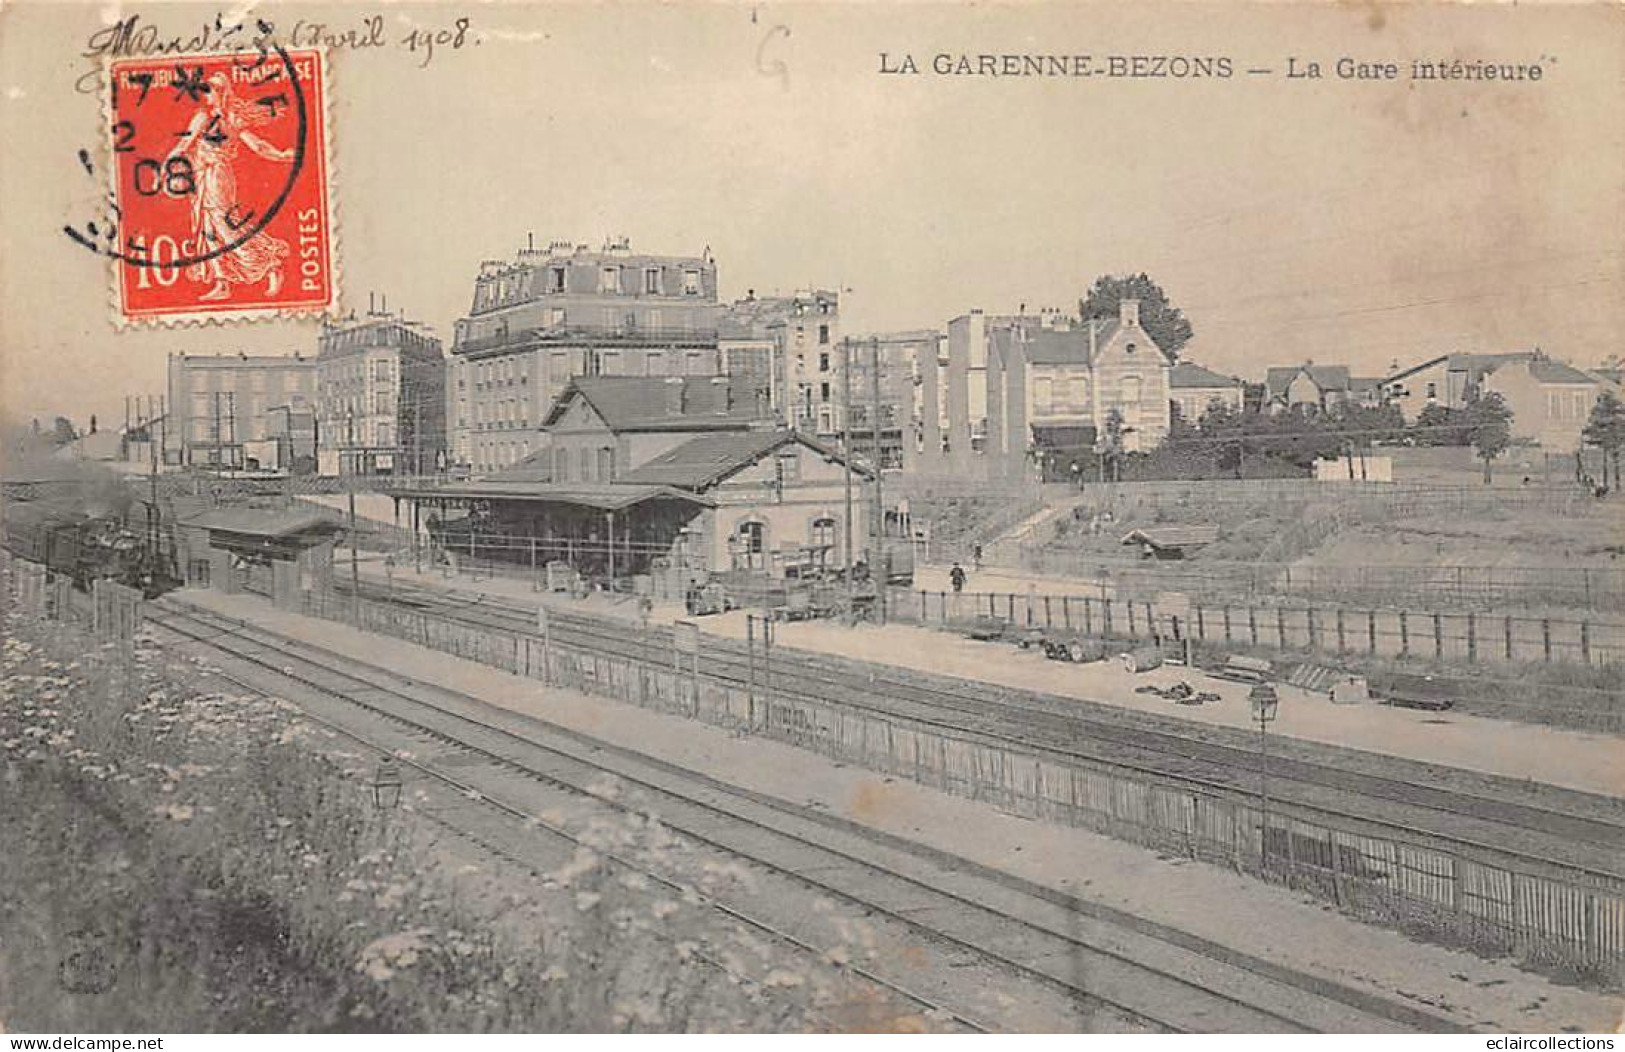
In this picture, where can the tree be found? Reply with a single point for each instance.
(1488, 420)
(1605, 429)
(1437, 425)
(1161, 320)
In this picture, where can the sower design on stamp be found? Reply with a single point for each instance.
(220, 186)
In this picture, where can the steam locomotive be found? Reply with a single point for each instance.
(86, 547)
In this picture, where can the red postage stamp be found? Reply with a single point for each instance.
(220, 186)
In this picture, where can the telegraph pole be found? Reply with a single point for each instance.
(846, 459)
(878, 563)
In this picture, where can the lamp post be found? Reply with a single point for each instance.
(386, 784)
(1265, 703)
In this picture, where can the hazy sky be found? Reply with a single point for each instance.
(1340, 221)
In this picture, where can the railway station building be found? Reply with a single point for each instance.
(278, 553)
(650, 483)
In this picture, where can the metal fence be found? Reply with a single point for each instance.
(1454, 637)
(1450, 587)
(1494, 900)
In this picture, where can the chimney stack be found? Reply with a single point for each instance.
(1129, 312)
(675, 390)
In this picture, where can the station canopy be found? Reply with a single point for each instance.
(605, 496)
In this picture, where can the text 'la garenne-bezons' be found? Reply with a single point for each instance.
(1198, 67)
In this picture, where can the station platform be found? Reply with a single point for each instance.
(1579, 760)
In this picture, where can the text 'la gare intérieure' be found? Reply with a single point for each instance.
(1200, 67)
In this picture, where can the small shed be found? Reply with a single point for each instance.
(1171, 542)
(275, 552)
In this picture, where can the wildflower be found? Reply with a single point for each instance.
(381, 958)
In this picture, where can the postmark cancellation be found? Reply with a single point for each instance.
(220, 196)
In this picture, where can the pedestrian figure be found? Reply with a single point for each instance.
(976, 557)
(956, 577)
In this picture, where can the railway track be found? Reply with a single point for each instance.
(1170, 983)
(1590, 837)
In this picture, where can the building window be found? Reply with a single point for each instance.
(691, 283)
(1131, 393)
(1433, 391)
(789, 466)
(750, 546)
(823, 533)
(651, 281)
(555, 279)
(561, 465)
(609, 280)
(823, 391)
(823, 334)
(606, 465)
(558, 367)
(823, 362)
(1130, 349)
(826, 421)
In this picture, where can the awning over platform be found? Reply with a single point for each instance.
(268, 523)
(606, 496)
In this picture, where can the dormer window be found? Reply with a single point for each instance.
(691, 283)
(609, 279)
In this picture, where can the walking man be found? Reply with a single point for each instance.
(956, 577)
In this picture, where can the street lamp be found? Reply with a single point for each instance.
(1265, 703)
(386, 784)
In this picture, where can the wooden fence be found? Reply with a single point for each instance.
(1458, 637)
(1497, 901)
(116, 611)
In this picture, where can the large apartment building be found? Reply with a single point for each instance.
(563, 311)
(792, 343)
(381, 397)
(894, 378)
(220, 404)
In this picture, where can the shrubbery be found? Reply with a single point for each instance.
(177, 860)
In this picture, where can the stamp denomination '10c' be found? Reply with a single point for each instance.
(220, 183)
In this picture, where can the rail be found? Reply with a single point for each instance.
(1375, 869)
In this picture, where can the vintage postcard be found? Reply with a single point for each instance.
(753, 518)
